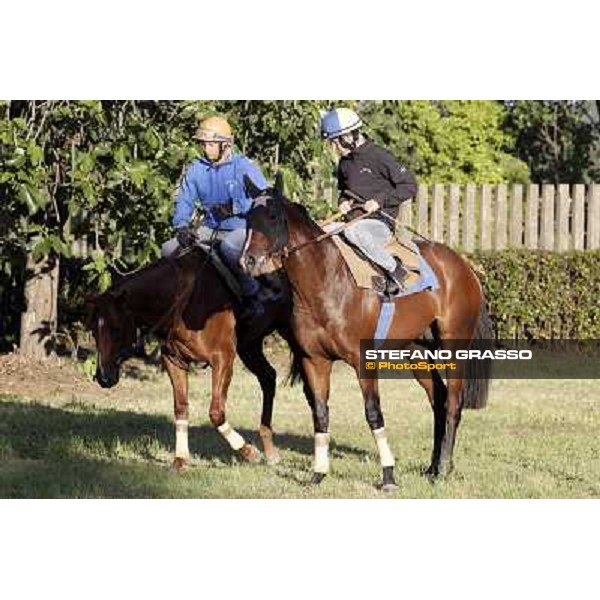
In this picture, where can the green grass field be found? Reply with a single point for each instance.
(536, 439)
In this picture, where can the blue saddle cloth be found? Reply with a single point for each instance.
(428, 280)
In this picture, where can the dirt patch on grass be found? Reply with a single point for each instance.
(54, 376)
(59, 377)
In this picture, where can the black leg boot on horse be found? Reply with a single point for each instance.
(374, 418)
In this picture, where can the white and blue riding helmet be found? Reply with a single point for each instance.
(339, 121)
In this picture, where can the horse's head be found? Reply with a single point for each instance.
(114, 330)
(267, 230)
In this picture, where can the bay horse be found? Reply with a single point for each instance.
(187, 305)
(330, 316)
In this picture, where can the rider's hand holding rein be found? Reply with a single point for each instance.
(369, 206)
(372, 206)
(345, 207)
(186, 237)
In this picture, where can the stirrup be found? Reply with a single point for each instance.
(400, 273)
(392, 287)
(395, 282)
(379, 284)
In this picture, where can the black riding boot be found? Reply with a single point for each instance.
(252, 307)
(396, 279)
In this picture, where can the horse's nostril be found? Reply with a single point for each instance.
(250, 262)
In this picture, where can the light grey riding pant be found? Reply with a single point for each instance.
(370, 236)
(231, 244)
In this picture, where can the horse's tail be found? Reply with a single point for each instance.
(479, 372)
(296, 371)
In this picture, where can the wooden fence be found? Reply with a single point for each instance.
(491, 217)
(494, 217)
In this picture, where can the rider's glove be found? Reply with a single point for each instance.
(186, 237)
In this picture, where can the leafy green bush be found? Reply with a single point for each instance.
(541, 294)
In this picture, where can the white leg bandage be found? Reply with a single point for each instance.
(385, 454)
(181, 439)
(234, 439)
(321, 453)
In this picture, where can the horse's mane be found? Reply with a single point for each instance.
(185, 263)
(184, 276)
(315, 229)
(304, 216)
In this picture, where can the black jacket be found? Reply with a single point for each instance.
(373, 173)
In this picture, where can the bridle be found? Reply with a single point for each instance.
(122, 355)
(127, 352)
(286, 251)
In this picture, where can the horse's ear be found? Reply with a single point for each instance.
(279, 184)
(251, 189)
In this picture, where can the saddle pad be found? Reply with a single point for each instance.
(420, 275)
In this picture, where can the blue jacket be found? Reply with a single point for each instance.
(210, 185)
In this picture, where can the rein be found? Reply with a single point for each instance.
(285, 251)
(352, 195)
(323, 236)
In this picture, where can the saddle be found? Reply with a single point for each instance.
(365, 273)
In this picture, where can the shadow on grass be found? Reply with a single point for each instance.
(85, 451)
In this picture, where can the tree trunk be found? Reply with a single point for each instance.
(38, 322)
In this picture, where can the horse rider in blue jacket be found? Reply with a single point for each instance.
(374, 174)
(215, 181)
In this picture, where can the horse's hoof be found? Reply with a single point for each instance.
(445, 470)
(317, 478)
(432, 472)
(272, 458)
(389, 488)
(250, 453)
(178, 466)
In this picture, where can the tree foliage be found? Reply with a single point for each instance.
(105, 169)
(455, 141)
(106, 172)
(284, 136)
(557, 139)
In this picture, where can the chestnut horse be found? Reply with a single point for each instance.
(185, 302)
(330, 316)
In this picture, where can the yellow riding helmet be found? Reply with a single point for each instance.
(214, 129)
